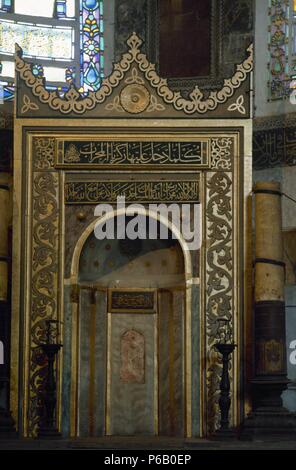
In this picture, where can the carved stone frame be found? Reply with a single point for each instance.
(39, 253)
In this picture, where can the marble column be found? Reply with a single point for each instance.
(269, 309)
(270, 362)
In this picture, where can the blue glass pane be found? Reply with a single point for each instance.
(6, 5)
(91, 44)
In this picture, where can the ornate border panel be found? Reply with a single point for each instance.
(44, 274)
(219, 281)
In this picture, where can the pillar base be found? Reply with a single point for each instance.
(267, 392)
(7, 425)
(277, 424)
(269, 418)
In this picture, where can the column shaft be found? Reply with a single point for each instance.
(270, 365)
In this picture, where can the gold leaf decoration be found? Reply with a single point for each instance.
(134, 78)
(155, 105)
(238, 105)
(219, 282)
(28, 105)
(115, 105)
(74, 102)
(134, 98)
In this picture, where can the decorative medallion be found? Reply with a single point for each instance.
(134, 98)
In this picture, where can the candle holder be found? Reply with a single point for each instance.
(225, 346)
(48, 428)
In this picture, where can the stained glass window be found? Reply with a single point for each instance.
(52, 40)
(292, 57)
(6, 5)
(279, 82)
(7, 68)
(34, 8)
(55, 74)
(70, 8)
(282, 47)
(36, 41)
(60, 9)
(92, 44)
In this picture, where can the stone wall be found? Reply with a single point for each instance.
(238, 32)
(130, 16)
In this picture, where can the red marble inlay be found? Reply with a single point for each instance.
(132, 351)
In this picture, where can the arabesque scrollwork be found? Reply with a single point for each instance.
(43, 148)
(74, 102)
(44, 284)
(222, 153)
(219, 280)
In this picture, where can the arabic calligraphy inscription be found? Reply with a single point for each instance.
(95, 192)
(133, 152)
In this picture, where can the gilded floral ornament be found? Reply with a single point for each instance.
(134, 78)
(28, 105)
(238, 105)
(155, 105)
(136, 61)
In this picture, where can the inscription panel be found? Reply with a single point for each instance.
(187, 151)
(135, 301)
(95, 192)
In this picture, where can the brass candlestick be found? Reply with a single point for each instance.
(225, 346)
(48, 428)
